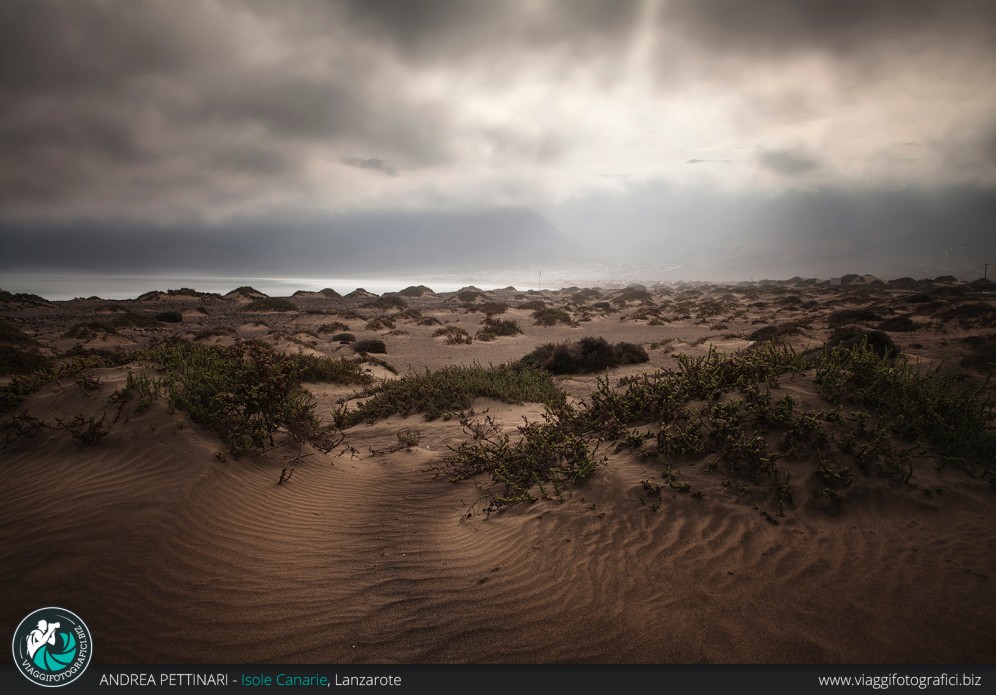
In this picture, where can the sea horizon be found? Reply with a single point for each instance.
(67, 286)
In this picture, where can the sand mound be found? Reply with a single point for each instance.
(378, 558)
(378, 555)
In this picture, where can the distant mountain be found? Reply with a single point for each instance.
(297, 246)
(826, 233)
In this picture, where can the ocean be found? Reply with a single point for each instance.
(61, 287)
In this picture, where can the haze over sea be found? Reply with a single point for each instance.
(59, 287)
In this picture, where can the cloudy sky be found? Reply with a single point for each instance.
(645, 119)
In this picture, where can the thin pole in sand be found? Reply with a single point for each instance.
(539, 284)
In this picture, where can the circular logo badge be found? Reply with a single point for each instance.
(52, 647)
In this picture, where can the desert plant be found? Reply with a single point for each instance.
(448, 391)
(15, 360)
(271, 304)
(333, 327)
(454, 335)
(373, 346)
(552, 452)
(500, 327)
(550, 316)
(169, 317)
(587, 355)
(246, 392)
(380, 323)
(387, 302)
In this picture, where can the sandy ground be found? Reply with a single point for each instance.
(172, 555)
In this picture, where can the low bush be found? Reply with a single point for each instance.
(850, 337)
(454, 335)
(333, 327)
(380, 323)
(550, 453)
(169, 317)
(586, 355)
(469, 295)
(503, 327)
(839, 318)
(448, 391)
(12, 335)
(982, 355)
(15, 360)
(372, 346)
(245, 392)
(551, 316)
(271, 304)
(89, 330)
(897, 324)
(387, 302)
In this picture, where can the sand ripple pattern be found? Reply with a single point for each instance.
(372, 560)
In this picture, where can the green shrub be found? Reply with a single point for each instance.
(372, 346)
(388, 302)
(587, 355)
(851, 337)
(271, 304)
(635, 293)
(897, 324)
(631, 353)
(345, 338)
(455, 335)
(316, 369)
(408, 314)
(128, 319)
(169, 317)
(552, 452)
(380, 323)
(246, 392)
(448, 391)
(839, 318)
(15, 360)
(764, 333)
(551, 316)
(983, 353)
(333, 327)
(89, 330)
(500, 327)
(71, 364)
(12, 335)
(470, 295)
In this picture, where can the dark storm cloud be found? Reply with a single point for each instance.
(371, 164)
(77, 47)
(434, 30)
(102, 96)
(844, 28)
(787, 162)
(205, 111)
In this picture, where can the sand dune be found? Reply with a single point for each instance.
(172, 555)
